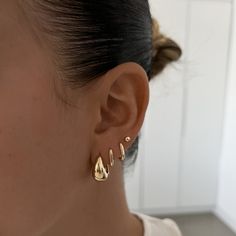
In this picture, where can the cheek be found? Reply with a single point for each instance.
(38, 157)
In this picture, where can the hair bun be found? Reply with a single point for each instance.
(165, 50)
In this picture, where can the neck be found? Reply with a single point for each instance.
(99, 208)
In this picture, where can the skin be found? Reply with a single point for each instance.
(47, 150)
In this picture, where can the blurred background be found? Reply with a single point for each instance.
(186, 166)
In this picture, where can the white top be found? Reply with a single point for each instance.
(156, 227)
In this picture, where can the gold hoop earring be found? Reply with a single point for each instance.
(122, 150)
(100, 172)
(111, 156)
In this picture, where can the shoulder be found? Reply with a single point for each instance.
(158, 227)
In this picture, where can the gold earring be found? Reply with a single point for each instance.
(111, 156)
(127, 139)
(100, 172)
(122, 150)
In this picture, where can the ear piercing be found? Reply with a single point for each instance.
(111, 156)
(127, 139)
(122, 150)
(100, 173)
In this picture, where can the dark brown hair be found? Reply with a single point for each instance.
(90, 37)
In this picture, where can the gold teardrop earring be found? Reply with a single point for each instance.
(100, 172)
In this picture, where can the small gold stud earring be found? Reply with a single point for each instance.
(100, 173)
(111, 156)
(127, 139)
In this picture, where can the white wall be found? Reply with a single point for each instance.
(177, 166)
(207, 56)
(226, 207)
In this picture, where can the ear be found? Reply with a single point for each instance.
(121, 103)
